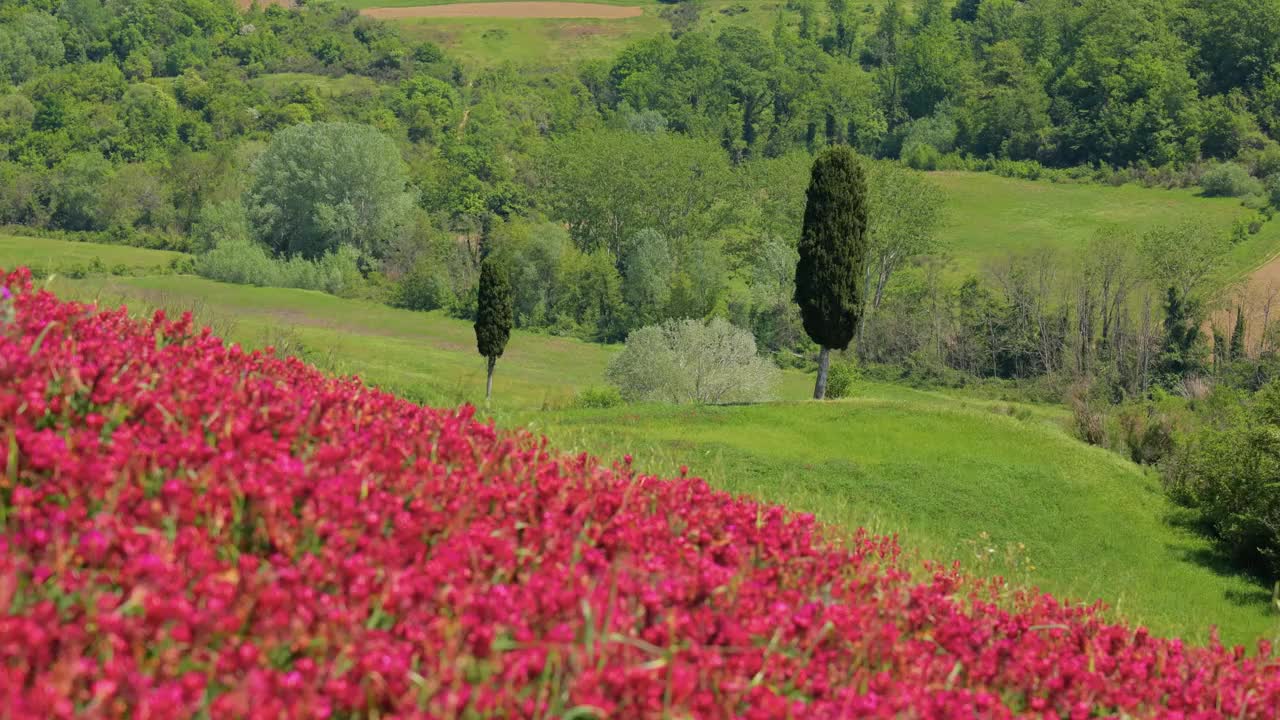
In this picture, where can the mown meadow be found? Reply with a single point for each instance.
(547, 45)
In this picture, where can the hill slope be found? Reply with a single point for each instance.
(940, 469)
(192, 530)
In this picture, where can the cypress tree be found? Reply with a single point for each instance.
(1180, 336)
(1237, 337)
(493, 315)
(833, 251)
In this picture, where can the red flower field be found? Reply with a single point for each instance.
(187, 529)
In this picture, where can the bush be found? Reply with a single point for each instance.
(842, 378)
(1148, 434)
(1230, 471)
(240, 261)
(919, 156)
(219, 222)
(1229, 180)
(1273, 190)
(245, 262)
(1088, 421)
(424, 287)
(598, 398)
(683, 361)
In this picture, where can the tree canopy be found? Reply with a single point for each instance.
(321, 185)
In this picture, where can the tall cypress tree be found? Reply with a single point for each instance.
(1237, 336)
(833, 252)
(493, 315)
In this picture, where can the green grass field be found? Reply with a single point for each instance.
(55, 255)
(941, 470)
(990, 217)
(555, 44)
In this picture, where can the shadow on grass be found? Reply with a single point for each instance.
(1215, 557)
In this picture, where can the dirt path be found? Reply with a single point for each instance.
(565, 10)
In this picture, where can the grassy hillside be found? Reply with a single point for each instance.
(941, 470)
(1076, 521)
(57, 255)
(552, 44)
(989, 217)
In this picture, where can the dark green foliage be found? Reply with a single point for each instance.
(833, 249)
(1148, 434)
(965, 10)
(1179, 351)
(1230, 471)
(493, 309)
(424, 287)
(1238, 337)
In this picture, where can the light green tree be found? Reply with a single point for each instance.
(318, 186)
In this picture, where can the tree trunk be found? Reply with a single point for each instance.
(488, 385)
(824, 362)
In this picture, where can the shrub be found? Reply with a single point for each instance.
(1088, 421)
(183, 265)
(683, 361)
(919, 156)
(424, 287)
(842, 378)
(927, 140)
(1230, 471)
(1148, 434)
(1273, 190)
(245, 262)
(1229, 180)
(598, 398)
(240, 261)
(219, 222)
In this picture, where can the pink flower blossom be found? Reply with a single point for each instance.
(191, 529)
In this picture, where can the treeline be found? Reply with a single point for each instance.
(1154, 83)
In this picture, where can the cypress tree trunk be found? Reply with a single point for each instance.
(824, 362)
(488, 385)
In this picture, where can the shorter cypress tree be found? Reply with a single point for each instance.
(494, 315)
(1237, 337)
(1181, 334)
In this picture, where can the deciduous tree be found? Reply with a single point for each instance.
(318, 186)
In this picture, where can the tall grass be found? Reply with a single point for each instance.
(245, 262)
